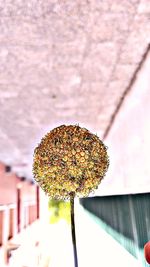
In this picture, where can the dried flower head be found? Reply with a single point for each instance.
(70, 161)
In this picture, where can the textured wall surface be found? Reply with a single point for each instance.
(64, 61)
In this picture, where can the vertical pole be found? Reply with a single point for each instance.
(73, 232)
(18, 210)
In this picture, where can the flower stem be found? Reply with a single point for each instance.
(73, 232)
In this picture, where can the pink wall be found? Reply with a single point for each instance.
(18, 204)
(8, 186)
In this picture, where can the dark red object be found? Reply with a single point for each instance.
(18, 209)
(147, 251)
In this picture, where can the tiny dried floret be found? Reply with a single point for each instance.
(70, 161)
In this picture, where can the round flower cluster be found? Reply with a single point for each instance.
(70, 161)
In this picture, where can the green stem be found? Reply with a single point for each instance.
(73, 232)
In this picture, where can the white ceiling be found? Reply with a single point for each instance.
(64, 62)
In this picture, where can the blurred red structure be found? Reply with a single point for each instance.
(147, 251)
(19, 204)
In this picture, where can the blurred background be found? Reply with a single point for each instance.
(75, 62)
